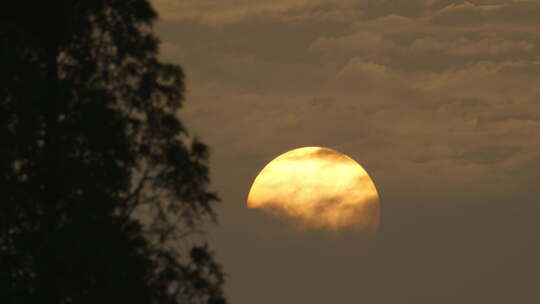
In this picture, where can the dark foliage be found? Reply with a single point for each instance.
(102, 188)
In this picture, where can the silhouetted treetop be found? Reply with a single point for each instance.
(103, 188)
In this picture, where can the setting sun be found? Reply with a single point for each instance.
(319, 188)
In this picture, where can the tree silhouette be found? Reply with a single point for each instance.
(102, 188)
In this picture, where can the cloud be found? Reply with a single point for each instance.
(504, 12)
(357, 42)
(467, 47)
(294, 11)
(358, 68)
(470, 7)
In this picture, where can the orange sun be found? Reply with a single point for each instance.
(319, 188)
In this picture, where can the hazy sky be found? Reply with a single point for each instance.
(438, 100)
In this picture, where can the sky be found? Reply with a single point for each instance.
(438, 100)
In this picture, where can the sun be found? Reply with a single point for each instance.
(318, 188)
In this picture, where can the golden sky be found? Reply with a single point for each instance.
(438, 100)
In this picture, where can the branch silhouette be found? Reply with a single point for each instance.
(103, 188)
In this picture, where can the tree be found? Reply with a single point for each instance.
(102, 187)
